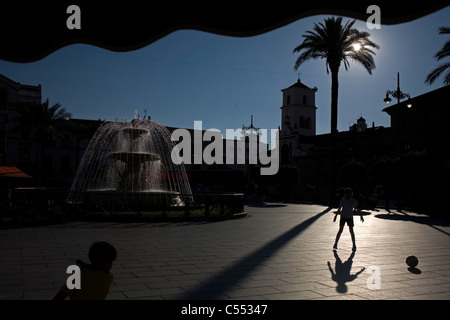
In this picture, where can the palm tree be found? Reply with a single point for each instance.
(441, 54)
(43, 121)
(337, 44)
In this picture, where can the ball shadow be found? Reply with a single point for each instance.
(414, 270)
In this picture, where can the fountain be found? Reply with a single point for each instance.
(127, 166)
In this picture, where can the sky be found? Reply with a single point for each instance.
(191, 75)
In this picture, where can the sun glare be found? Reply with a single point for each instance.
(356, 46)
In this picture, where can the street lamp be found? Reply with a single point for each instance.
(251, 128)
(397, 94)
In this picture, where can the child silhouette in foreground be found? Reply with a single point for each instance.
(346, 208)
(96, 277)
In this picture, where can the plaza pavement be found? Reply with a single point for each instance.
(276, 252)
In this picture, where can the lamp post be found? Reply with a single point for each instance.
(397, 94)
(252, 129)
(253, 148)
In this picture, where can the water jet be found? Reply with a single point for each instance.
(127, 166)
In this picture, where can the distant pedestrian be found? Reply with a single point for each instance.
(96, 277)
(346, 208)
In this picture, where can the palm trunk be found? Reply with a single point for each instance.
(334, 100)
(334, 110)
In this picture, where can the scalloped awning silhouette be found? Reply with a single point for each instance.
(31, 31)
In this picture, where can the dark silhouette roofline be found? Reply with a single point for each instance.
(299, 84)
(431, 98)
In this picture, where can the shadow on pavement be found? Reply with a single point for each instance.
(433, 222)
(341, 273)
(264, 205)
(220, 284)
(414, 270)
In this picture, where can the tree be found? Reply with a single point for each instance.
(337, 44)
(42, 121)
(441, 54)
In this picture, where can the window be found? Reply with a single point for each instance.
(287, 121)
(288, 99)
(305, 100)
(305, 123)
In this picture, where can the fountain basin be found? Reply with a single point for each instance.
(128, 166)
(146, 200)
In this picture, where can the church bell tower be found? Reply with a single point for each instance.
(298, 120)
(298, 112)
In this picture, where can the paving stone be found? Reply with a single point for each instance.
(277, 252)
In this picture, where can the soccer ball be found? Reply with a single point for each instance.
(412, 261)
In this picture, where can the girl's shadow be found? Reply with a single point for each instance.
(341, 274)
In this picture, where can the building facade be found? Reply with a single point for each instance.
(401, 160)
(418, 138)
(422, 123)
(20, 146)
(62, 156)
(14, 96)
